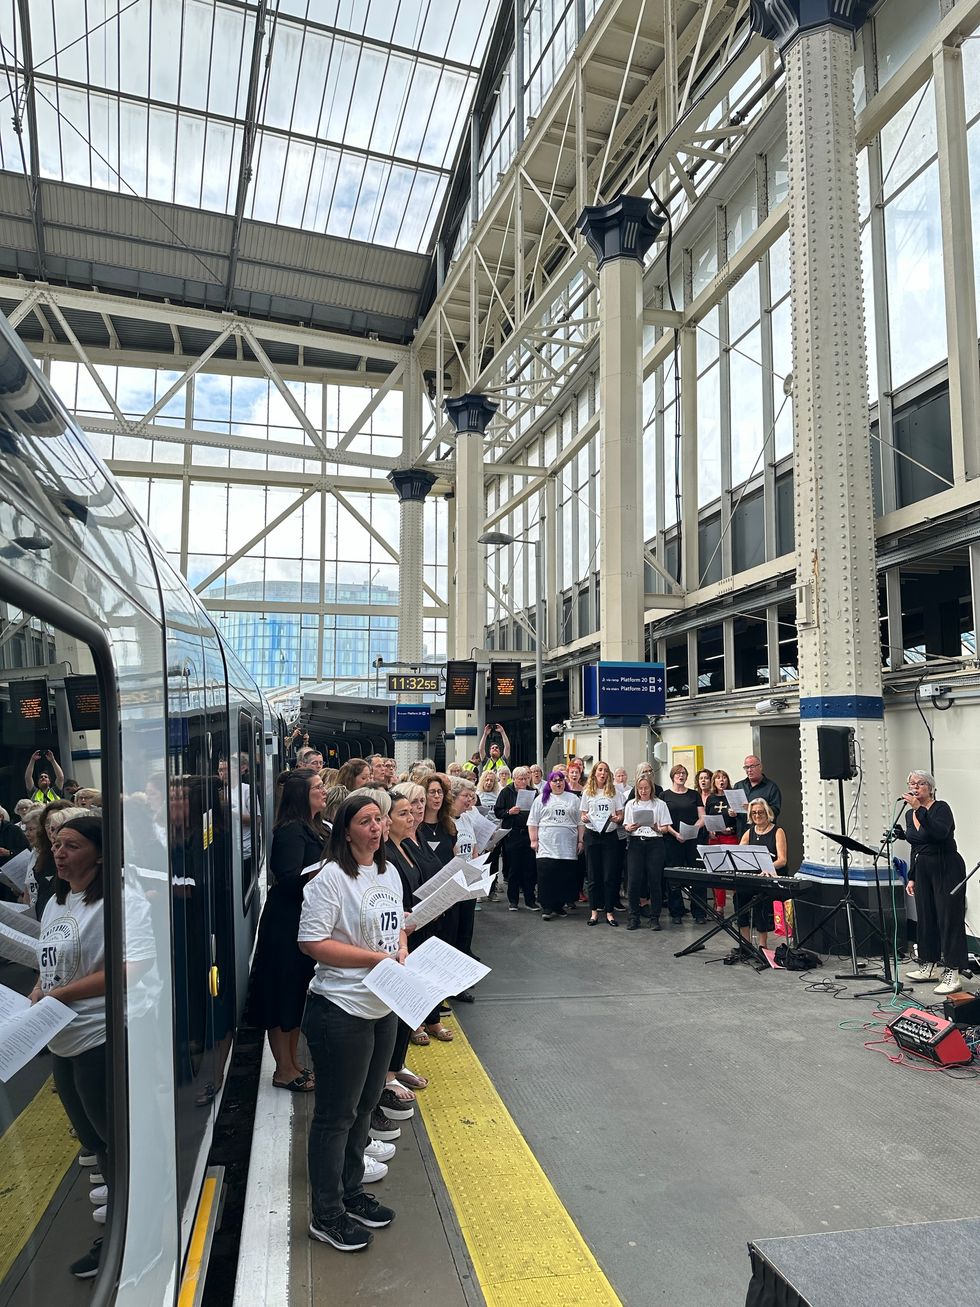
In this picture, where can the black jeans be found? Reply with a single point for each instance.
(556, 882)
(645, 862)
(522, 874)
(81, 1082)
(604, 859)
(350, 1058)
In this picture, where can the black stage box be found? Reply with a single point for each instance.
(891, 1266)
(832, 937)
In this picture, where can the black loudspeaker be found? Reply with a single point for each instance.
(835, 746)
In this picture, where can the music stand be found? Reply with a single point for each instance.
(736, 860)
(847, 902)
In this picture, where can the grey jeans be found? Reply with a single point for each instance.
(350, 1057)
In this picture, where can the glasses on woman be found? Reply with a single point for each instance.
(559, 780)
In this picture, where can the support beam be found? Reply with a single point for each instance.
(250, 544)
(33, 179)
(250, 133)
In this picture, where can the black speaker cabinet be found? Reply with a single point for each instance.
(835, 747)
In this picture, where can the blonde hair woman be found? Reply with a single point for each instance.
(600, 813)
(762, 833)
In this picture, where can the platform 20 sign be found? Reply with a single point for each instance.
(625, 690)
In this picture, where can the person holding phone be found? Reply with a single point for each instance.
(47, 787)
(498, 755)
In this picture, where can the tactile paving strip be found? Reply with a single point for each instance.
(35, 1152)
(525, 1248)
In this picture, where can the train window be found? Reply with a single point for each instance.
(60, 909)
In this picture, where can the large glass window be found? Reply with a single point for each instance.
(923, 447)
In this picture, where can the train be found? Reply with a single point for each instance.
(185, 748)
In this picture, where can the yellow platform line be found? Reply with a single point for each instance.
(35, 1152)
(525, 1248)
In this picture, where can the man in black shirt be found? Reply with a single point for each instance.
(757, 785)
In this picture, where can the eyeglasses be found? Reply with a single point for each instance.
(559, 780)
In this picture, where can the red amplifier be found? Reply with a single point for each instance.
(931, 1037)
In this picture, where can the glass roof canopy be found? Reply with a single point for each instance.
(354, 109)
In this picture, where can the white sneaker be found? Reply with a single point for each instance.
(95, 1178)
(99, 1215)
(99, 1195)
(87, 1159)
(373, 1170)
(949, 983)
(380, 1151)
(924, 971)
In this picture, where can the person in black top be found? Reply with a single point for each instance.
(757, 786)
(936, 867)
(717, 805)
(684, 806)
(280, 972)
(519, 862)
(437, 831)
(762, 833)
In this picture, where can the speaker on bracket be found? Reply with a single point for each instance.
(835, 749)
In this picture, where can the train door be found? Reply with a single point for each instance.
(221, 897)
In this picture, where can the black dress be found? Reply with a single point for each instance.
(281, 974)
(762, 915)
(684, 807)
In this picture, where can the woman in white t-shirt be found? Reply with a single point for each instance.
(646, 820)
(602, 812)
(71, 952)
(553, 830)
(351, 920)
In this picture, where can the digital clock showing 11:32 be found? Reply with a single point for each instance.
(400, 682)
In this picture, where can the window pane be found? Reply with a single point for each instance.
(916, 297)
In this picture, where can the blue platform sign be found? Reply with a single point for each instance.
(624, 690)
(409, 718)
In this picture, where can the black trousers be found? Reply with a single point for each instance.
(687, 856)
(604, 861)
(350, 1057)
(522, 874)
(941, 924)
(556, 882)
(645, 862)
(81, 1082)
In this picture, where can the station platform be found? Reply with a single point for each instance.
(613, 1124)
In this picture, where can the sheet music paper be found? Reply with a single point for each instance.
(14, 870)
(448, 872)
(15, 946)
(456, 890)
(24, 1031)
(483, 829)
(525, 800)
(687, 830)
(432, 972)
(750, 858)
(499, 835)
(18, 916)
(644, 817)
(736, 800)
(715, 824)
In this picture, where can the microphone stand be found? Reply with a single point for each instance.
(894, 983)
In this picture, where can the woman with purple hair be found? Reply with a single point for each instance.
(554, 833)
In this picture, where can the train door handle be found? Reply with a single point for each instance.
(213, 982)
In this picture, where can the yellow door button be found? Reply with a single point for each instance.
(213, 982)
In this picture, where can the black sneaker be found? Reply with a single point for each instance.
(366, 1210)
(87, 1267)
(633, 923)
(545, 916)
(382, 1127)
(344, 1235)
(559, 912)
(398, 1109)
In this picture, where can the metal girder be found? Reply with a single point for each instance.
(34, 179)
(248, 144)
(127, 467)
(170, 315)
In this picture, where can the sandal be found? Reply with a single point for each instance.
(301, 1085)
(400, 1091)
(441, 1033)
(419, 1038)
(410, 1079)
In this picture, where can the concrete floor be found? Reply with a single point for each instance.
(681, 1109)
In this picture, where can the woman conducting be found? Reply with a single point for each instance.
(351, 921)
(936, 867)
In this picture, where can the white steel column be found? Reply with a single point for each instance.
(839, 657)
(412, 485)
(470, 415)
(620, 234)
